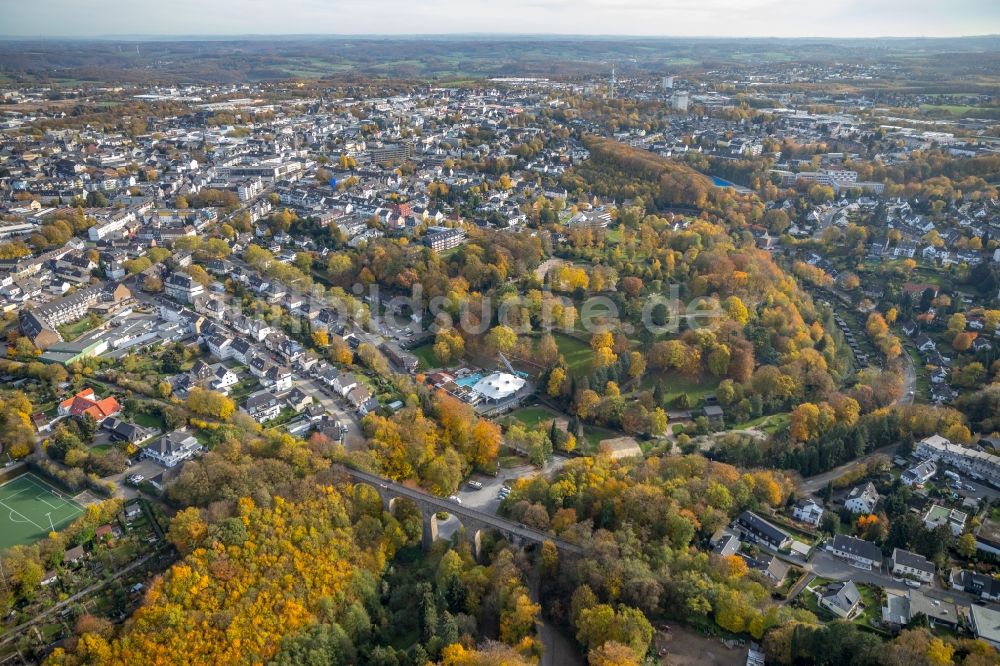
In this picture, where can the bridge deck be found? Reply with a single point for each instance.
(455, 509)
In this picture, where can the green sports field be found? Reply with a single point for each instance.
(31, 508)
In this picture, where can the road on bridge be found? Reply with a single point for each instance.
(439, 504)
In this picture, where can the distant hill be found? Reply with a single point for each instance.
(177, 60)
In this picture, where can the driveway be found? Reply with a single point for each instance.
(148, 468)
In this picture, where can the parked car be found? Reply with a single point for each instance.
(455, 498)
(475, 485)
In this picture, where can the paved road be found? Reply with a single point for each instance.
(440, 504)
(825, 565)
(826, 219)
(814, 484)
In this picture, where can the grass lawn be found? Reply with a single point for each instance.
(923, 377)
(147, 420)
(770, 423)
(532, 416)
(76, 329)
(425, 353)
(593, 435)
(873, 609)
(579, 356)
(101, 448)
(953, 109)
(673, 384)
(243, 388)
(869, 597)
(510, 458)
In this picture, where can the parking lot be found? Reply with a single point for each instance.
(145, 467)
(487, 498)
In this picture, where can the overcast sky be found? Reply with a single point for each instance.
(785, 18)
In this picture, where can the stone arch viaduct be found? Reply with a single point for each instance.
(473, 520)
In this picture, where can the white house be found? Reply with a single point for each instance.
(808, 511)
(344, 383)
(911, 565)
(862, 499)
(919, 474)
(223, 378)
(220, 345)
(172, 448)
(262, 406)
(941, 515)
(860, 553)
(279, 378)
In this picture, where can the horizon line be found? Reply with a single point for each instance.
(478, 34)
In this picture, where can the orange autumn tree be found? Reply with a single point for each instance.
(269, 574)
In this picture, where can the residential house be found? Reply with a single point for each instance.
(860, 553)
(924, 343)
(982, 585)
(726, 544)
(761, 531)
(122, 431)
(220, 346)
(73, 555)
(939, 515)
(919, 474)
(279, 378)
(182, 287)
(262, 406)
(899, 609)
(985, 624)
(86, 402)
(344, 383)
(357, 396)
(173, 448)
(862, 499)
(911, 565)
(239, 350)
(369, 406)
(298, 399)
(773, 568)
(223, 378)
(841, 599)
(808, 511)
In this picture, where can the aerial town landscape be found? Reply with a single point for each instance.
(505, 351)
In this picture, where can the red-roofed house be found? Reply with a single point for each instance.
(86, 402)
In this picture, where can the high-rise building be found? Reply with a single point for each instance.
(667, 82)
